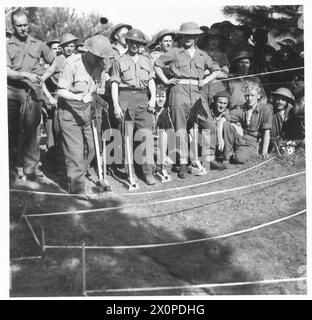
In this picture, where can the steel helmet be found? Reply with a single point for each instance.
(67, 38)
(284, 92)
(288, 43)
(99, 46)
(117, 28)
(136, 35)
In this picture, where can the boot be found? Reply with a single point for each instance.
(182, 172)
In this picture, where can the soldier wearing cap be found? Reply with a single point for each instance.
(24, 90)
(54, 45)
(255, 119)
(188, 65)
(134, 94)
(80, 78)
(240, 69)
(117, 37)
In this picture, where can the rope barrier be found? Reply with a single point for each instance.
(147, 246)
(32, 231)
(148, 192)
(163, 201)
(25, 258)
(197, 184)
(259, 74)
(196, 286)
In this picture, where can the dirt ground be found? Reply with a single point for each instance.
(275, 252)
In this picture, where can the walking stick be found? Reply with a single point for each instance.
(102, 184)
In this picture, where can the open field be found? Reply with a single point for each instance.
(277, 251)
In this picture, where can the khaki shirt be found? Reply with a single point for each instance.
(75, 78)
(183, 66)
(25, 56)
(261, 119)
(128, 73)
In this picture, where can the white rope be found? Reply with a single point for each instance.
(145, 192)
(183, 242)
(209, 285)
(32, 231)
(197, 184)
(259, 74)
(25, 258)
(163, 201)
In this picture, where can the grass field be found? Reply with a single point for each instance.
(274, 252)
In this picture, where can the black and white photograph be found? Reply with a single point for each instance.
(154, 149)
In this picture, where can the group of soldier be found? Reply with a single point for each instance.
(171, 86)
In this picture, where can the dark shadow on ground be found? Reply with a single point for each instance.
(60, 273)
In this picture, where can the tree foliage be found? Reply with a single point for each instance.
(281, 20)
(47, 23)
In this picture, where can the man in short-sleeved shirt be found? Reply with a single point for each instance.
(134, 94)
(80, 78)
(188, 65)
(24, 90)
(256, 121)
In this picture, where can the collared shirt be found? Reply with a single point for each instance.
(236, 90)
(52, 82)
(25, 56)
(128, 73)
(183, 66)
(76, 78)
(261, 118)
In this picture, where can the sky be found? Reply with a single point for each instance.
(153, 18)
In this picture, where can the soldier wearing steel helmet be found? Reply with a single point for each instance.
(68, 44)
(133, 92)
(117, 37)
(283, 113)
(80, 78)
(186, 101)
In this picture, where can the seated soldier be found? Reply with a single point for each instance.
(283, 114)
(256, 121)
(218, 110)
(298, 130)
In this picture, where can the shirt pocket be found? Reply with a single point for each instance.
(182, 67)
(126, 72)
(144, 74)
(33, 54)
(200, 68)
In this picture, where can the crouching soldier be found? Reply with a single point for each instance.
(256, 121)
(134, 94)
(79, 79)
(283, 114)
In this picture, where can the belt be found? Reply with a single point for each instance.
(133, 89)
(189, 81)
